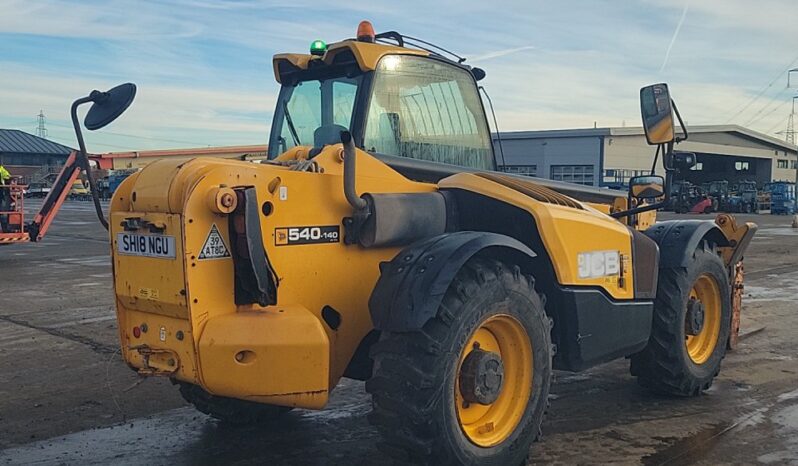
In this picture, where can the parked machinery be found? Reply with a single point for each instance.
(744, 197)
(718, 193)
(686, 197)
(782, 198)
(14, 228)
(107, 185)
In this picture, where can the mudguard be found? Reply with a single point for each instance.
(678, 239)
(412, 285)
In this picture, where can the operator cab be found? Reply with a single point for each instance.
(401, 104)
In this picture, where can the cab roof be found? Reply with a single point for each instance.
(365, 54)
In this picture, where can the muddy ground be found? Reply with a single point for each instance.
(66, 397)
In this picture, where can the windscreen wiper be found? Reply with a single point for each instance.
(290, 122)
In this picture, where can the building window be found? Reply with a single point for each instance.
(741, 166)
(579, 174)
(793, 164)
(698, 166)
(620, 176)
(526, 170)
(781, 163)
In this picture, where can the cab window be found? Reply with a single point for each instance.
(312, 113)
(428, 110)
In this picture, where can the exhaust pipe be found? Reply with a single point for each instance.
(350, 159)
(382, 219)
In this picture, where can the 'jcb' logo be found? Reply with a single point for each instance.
(598, 263)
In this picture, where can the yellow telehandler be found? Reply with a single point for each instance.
(380, 242)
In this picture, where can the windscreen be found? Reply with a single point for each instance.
(313, 113)
(425, 109)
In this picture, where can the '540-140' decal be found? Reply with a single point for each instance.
(289, 236)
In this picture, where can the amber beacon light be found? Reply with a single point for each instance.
(365, 32)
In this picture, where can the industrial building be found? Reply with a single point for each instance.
(29, 156)
(138, 159)
(610, 156)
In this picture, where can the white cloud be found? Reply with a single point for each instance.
(203, 66)
(167, 112)
(499, 53)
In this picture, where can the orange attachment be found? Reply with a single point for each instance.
(365, 32)
(737, 305)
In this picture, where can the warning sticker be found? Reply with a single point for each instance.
(214, 247)
(149, 293)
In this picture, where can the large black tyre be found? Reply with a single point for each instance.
(413, 387)
(666, 366)
(230, 410)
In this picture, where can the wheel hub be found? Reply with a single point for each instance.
(481, 377)
(694, 320)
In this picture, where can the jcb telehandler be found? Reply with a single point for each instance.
(380, 243)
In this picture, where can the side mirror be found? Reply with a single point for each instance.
(683, 160)
(647, 187)
(479, 73)
(657, 111)
(107, 106)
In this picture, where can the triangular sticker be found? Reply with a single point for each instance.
(214, 247)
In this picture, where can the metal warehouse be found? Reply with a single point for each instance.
(610, 156)
(26, 155)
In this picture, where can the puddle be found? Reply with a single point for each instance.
(781, 287)
(690, 449)
(787, 417)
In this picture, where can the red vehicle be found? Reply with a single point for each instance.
(704, 206)
(13, 228)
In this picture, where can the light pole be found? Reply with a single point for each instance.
(789, 73)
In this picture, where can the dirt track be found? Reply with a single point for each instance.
(65, 396)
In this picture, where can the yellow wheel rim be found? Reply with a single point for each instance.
(489, 425)
(701, 346)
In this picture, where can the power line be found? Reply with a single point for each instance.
(783, 104)
(773, 99)
(133, 136)
(61, 141)
(781, 122)
(762, 92)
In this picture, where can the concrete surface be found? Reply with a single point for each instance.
(66, 397)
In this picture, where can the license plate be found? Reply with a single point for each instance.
(158, 246)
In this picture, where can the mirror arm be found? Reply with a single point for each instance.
(637, 210)
(681, 122)
(83, 157)
(667, 164)
(656, 159)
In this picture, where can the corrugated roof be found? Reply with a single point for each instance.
(20, 142)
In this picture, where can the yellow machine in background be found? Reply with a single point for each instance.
(380, 243)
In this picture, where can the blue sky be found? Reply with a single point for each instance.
(203, 67)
